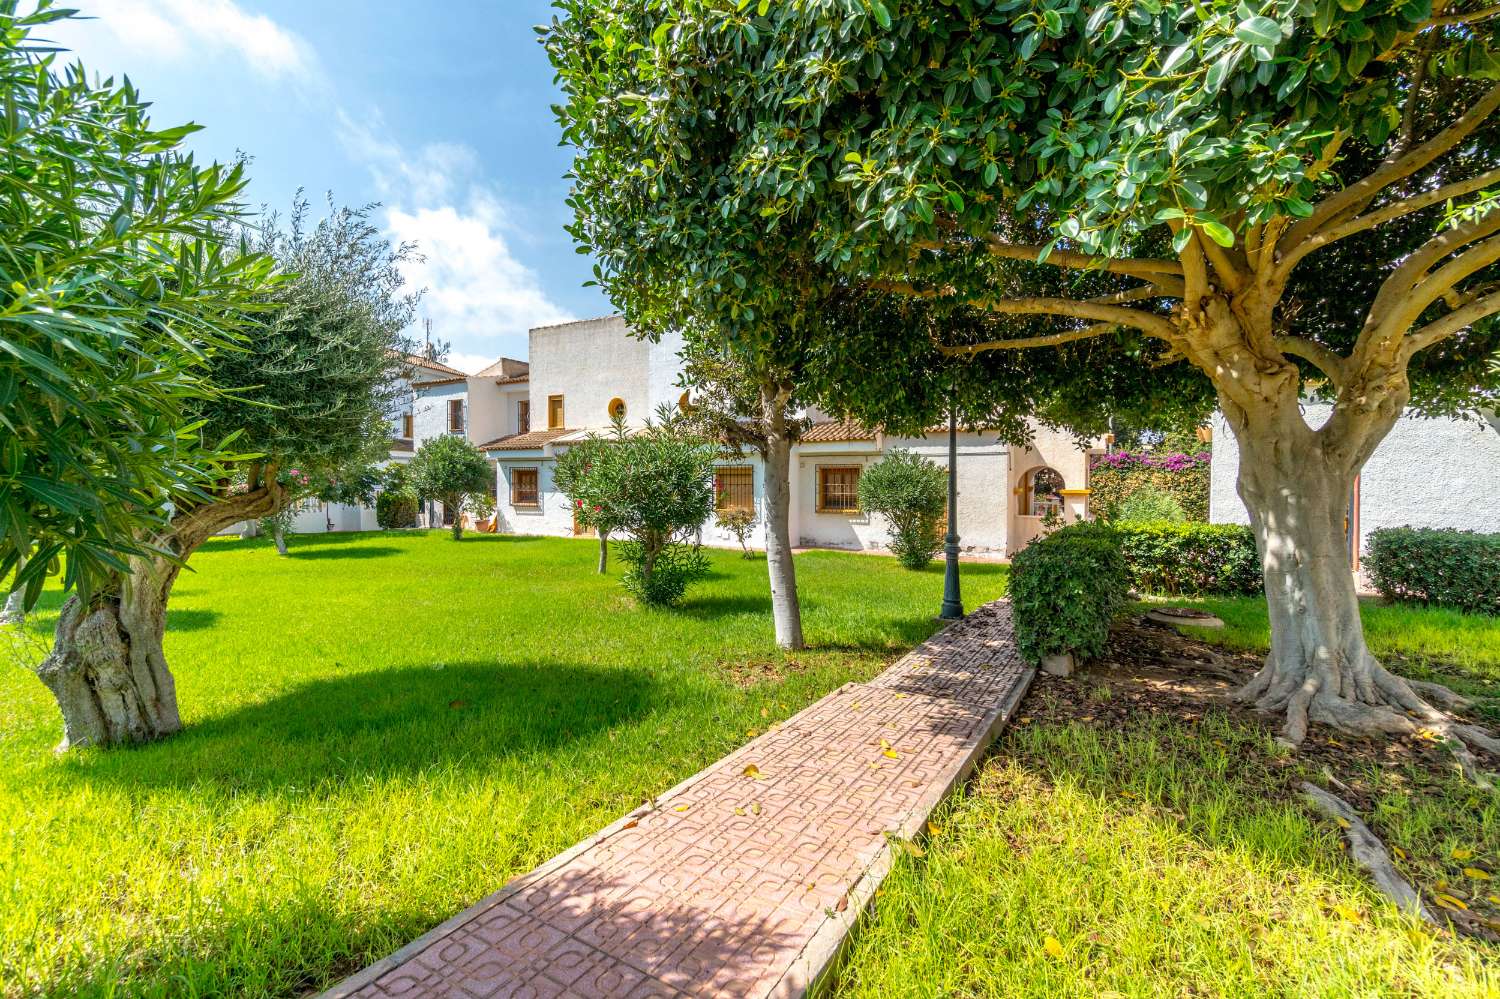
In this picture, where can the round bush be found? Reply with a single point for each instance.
(1150, 504)
(396, 509)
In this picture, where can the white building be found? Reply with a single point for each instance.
(1427, 473)
(583, 373)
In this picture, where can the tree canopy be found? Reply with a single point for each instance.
(117, 288)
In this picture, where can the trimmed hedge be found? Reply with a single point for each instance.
(1065, 590)
(1191, 559)
(1458, 569)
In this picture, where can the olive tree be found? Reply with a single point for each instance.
(452, 471)
(310, 388)
(1289, 197)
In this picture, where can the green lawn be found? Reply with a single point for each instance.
(1167, 854)
(380, 730)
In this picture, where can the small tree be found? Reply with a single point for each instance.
(740, 523)
(580, 475)
(912, 493)
(655, 486)
(451, 471)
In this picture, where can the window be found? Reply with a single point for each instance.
(838, 489)
(523, 491)
(523, 416)
(455, 416)
(734, 488)
(554, 412)
(1041, 492)
(617, 409)
(407, 428)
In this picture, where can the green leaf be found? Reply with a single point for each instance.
(1259, 30)
(1218, 232)
(882, 16)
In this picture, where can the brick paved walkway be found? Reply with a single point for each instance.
(745, 879)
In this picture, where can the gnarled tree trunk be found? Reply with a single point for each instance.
(786, 609)
(1296, 483)
(107, 668)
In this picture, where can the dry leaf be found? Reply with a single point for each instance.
(755, 808)
(630, 825)
(1053, 947)
(1399, 853)
(751, 733)
(1352, 915)
(1462, 853)
(753, 772)
(843, 902)
(739, 811)
(455, 705)
(680, 808)
(765, 712)
(933, 829)
(1477, 873)
(1495, 899)
(1449, 902)
(1343, 822)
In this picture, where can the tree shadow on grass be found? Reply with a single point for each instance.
(295, 550)
(194, 619)
(392, 722)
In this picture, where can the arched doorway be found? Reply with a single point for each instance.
(1039, 502)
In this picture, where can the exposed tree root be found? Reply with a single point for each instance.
(1372, 702)
(1370, 853)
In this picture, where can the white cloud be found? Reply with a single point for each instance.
(468, 363)
(176, 30)
(477, 291)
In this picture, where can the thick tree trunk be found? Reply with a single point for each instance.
(107, 668)
(786, 609)
(278, 534)
(1296, 484)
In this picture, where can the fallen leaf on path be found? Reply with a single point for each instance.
(680, 808)
(753, 772)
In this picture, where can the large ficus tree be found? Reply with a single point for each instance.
(1290, 197)
(311, 389)
(116, 287)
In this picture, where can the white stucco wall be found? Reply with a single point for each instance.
(1426, 473)
(589, 363)
(430, 410)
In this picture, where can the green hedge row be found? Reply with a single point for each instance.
(1191, 559)
(1065, 590)
(1459, 569)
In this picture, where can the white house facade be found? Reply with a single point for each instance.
(581, 374)
(1441, 473)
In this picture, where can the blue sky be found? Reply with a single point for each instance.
(441, 113)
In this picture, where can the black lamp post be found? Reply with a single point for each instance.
(953, 604)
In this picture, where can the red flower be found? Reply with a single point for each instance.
(598, 508)
(580, 504)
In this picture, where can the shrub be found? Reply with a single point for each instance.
(396, 508)
(1149, 504)
(1191, 558)
(740, 523)
(1458, 569)
(912, 493)
(655, 486)
(1065, 590)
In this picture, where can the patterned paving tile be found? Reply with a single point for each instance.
(746, 871)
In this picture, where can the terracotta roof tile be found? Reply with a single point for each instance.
(452, 380)
(513, 380)
(525, 442)
(834, 431)
(418, 361)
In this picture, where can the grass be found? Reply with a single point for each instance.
(1169, 855)
(380, 730)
